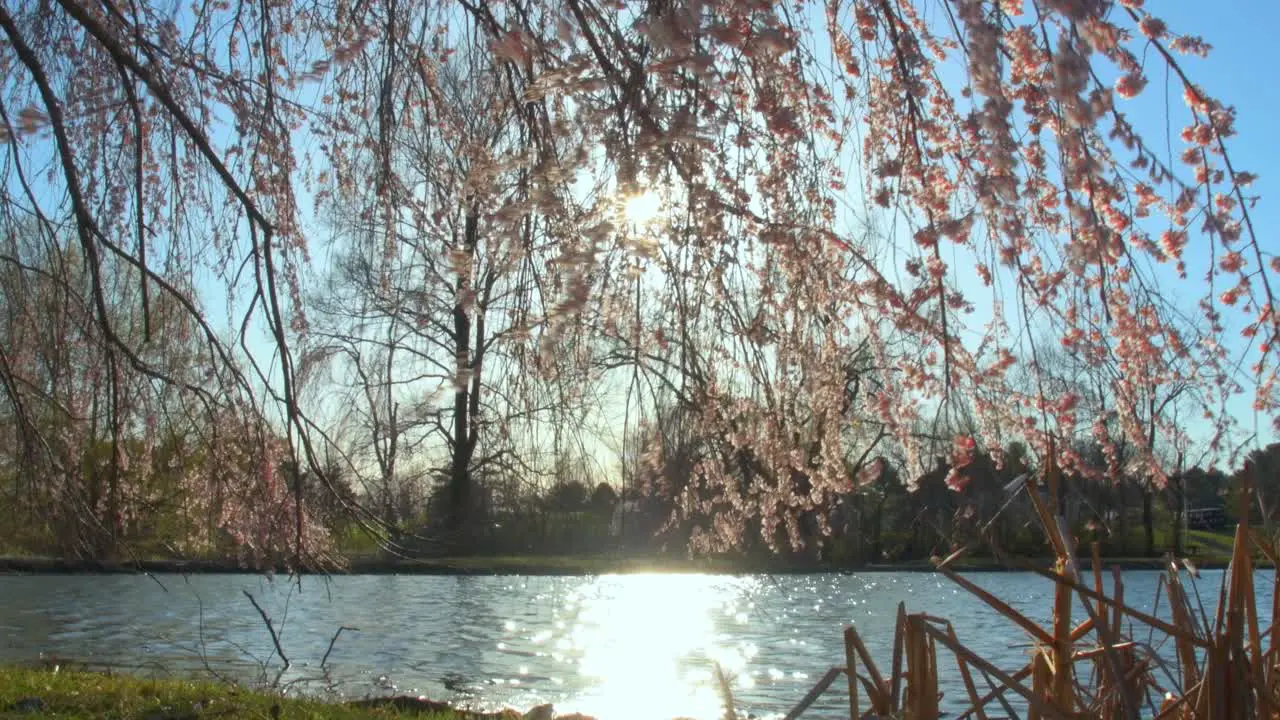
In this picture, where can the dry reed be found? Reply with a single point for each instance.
(1111, 665)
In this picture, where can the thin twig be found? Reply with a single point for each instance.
(270, 628)
(333, 640)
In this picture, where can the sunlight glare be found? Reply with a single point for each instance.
(643, 638)
(642, 208)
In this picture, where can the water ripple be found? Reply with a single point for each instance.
(620, 647)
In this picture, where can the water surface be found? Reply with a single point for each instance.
(621, 647)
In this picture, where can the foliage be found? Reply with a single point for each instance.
(113, 460)
(493, 291)
(1261, 470)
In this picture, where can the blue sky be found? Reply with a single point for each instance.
(1238, 72)
(1243, 70)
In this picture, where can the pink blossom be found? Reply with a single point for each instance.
(1231, 262)
(956, 481)
(1173, 241)
(1130, 84)
(1153, 27)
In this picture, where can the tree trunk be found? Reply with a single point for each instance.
(1179, 507)
(876, 550)
(466, 396)
(392, 433)
(460, 462)
(1179, 502)
(1122, 524)
(1148, 519)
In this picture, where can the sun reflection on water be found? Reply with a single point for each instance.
(647, 643)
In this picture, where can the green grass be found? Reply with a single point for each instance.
(1208, 548)
(1207, 556)
(75, 695)
(573, 564)
(1211, 542)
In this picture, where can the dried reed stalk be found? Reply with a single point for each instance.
(851, 670)
(1108, 665)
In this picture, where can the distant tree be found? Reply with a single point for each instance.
(1205, 488)
(1261, 470)
(997, 160)
(603, 499)
(429, 308)
(883, 498)
(102, 449)
(570, 496)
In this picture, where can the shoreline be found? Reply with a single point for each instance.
(551, 566)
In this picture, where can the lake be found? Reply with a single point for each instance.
(621, 647)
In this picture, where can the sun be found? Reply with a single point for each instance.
(641, 208)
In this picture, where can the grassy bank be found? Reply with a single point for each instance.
(570, 565)
(463, 565)
(1208, 550)
(32, 693)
